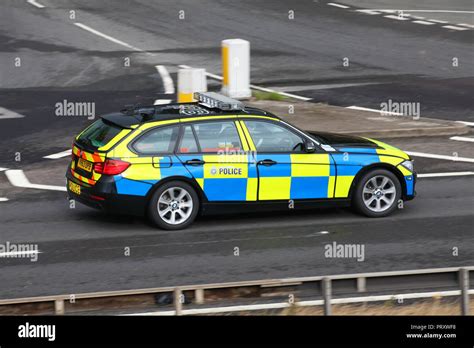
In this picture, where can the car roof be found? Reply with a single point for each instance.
(133, 115)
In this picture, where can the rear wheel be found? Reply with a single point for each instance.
(377, 193)
(174, 205)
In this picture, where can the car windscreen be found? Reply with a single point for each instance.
(98, 134)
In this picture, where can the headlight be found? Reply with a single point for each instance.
(408, 165)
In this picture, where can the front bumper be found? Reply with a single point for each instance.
(103, 196)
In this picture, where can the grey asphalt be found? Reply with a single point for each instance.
(83, 250)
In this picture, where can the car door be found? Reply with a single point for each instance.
(285, 169)
(216, 154)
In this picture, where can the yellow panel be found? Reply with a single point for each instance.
(391, 160)
(310, 158)
(343, 184)
(252, 185)
(200, 182)
(142, 172)
(331, 183)
(225, 65)
(300, 165)
(243, 140)
(247, 136)
(404, 171)
(274, 188)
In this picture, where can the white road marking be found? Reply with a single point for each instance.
(417, 17)
(369, 12)
(59, 154)
(337, 5)
(470, 124)
(3, 169)
(398, 18)
(18, 178)
(167, 80)
(5, 113)
(388, 113)
(438, 21)
(444, 157)
(439, 175)
(21, 253)
(3, 199)
(162, 101)
(110, 38)
(466, 25)
(263, 89)
(424, 22)
(453, 27)
(35, 3)
(471, 140)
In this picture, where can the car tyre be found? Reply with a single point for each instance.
(377, 193)
(174, 205)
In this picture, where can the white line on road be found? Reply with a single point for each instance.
(369, 12)
(263, 89)
(470, 124)
(167, 80)
(59, 154)
(110, 38)
(454, 27)
(162, 101)
(440, 175)
(337, 5)
(438, 21)
(5, 113)
(389, 113)
(470, 140)
(18, 178)
(398, 18)
(444, 157)
(3, 199)
(417, 17)
(35, 3)
(424, 22)
(3, 169)
(466, 25)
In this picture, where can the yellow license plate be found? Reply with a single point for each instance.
(73, 187)
(83, 164)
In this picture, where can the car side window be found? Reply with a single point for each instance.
(188, 141)
(270, 137)
(160, 140)
(217, 136)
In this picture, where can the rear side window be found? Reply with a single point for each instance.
(160, 140)
(98, 134)
(217, 136)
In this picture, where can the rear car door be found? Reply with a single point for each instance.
(216, 154)
(285, 170)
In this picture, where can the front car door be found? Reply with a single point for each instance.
(285, 170)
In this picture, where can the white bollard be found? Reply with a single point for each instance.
(236, 68)
(189, 81)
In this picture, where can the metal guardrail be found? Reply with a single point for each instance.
(439, 281)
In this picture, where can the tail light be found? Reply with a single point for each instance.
(111, 167)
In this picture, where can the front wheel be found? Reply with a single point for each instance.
(174, 205)
(377, 193)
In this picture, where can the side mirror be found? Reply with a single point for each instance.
(310, 147)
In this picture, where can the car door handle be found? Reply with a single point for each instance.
(267, 162)
(194, 162)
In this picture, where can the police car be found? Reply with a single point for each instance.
(175, 161)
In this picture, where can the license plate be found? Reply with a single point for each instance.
(73, 187)
(83, 164)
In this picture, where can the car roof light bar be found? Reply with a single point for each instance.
(218, 101)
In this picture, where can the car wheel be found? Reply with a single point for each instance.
(377, 193)
(174, 205)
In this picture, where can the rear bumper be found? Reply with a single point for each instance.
(103, 196)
